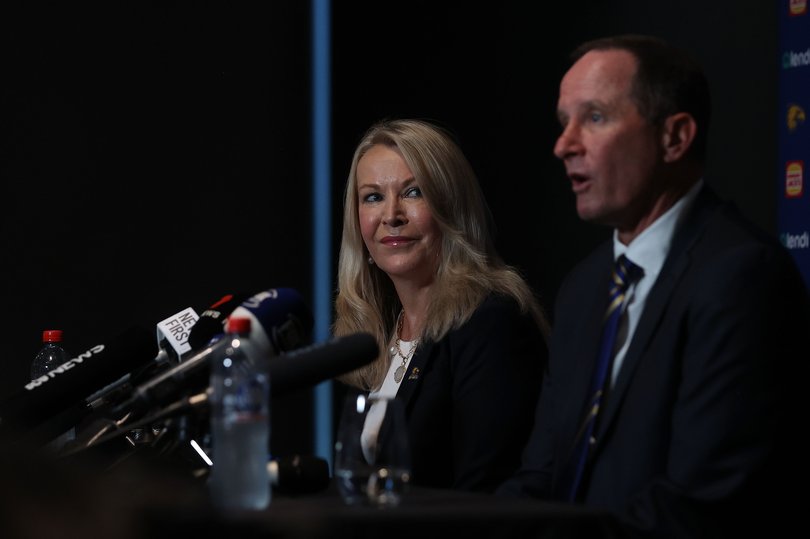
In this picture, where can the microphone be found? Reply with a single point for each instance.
(175, 338)
(299, 369)
(189, 375)
(72, 382)
(280, 319)
(212, 321)
(281, 322)
(174, 331)
(45, 410)
(306, 367)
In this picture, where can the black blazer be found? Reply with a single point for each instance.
(470, 398)
(693, 437)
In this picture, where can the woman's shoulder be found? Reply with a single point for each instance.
(498, 304)
(499, 325)
(497, 311)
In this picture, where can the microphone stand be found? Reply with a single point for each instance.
(128, 429)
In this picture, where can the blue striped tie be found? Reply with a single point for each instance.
(624, 273)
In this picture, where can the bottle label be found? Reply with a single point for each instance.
(248, 401)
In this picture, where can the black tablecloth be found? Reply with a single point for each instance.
(156, 498)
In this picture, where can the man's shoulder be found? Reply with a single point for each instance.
(726, 232)
(721, 224)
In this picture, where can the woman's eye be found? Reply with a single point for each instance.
(372, 197)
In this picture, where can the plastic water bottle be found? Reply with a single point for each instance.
(50, 356)
(240, 422)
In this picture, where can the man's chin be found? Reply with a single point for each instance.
(587, 212)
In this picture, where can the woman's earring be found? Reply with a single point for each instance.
(370, 261)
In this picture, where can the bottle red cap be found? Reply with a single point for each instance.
(239, 325)
(52, 335)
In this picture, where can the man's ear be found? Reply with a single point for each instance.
(678, 135)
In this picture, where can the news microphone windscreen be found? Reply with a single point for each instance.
(77, 379)
(280, 319)
(281, 313)
(306, 367)
(212, 319)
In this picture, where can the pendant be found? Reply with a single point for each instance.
(399, 373)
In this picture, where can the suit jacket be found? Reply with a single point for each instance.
(694, 435)
(470, 398)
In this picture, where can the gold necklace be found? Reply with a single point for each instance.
(396, 350)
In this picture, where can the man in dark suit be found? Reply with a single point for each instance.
(688, 431)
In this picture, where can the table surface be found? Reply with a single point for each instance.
(155, 499)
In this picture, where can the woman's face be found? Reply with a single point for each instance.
(395, 221)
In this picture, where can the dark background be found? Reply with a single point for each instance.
(156, 157)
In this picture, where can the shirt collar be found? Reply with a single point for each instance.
(650, 248)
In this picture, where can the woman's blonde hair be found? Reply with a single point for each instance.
(469, 268)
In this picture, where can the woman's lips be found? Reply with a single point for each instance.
(395, 241)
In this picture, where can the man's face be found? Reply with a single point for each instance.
(609, 150)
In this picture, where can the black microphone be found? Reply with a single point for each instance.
(72, 382)
(190, 375)
(299, 369)
(212, 320)
(306, 367)
(205, 327)
(281, 321)
(41, 424)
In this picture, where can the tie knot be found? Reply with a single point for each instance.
(624, 273)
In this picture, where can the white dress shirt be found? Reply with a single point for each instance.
(648, 250)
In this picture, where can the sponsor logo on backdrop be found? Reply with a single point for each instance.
(795, 117)
(800, 240)
(798, 7)
(794, 179)
(792, 59)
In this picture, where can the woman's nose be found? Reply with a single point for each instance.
(394, 214)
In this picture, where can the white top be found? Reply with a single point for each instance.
(388, 389)
(648, 250)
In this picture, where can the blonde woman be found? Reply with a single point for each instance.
(462, 334)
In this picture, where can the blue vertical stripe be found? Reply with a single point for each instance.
(321, 211)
